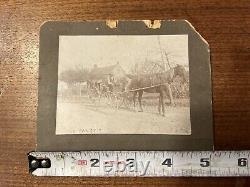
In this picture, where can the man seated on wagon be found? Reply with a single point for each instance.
(110, 82)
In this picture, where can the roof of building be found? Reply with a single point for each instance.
(103, 70)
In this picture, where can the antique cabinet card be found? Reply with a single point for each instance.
(128, 86)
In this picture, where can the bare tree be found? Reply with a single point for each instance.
(73, 76)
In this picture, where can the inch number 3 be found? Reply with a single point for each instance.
(242, 162)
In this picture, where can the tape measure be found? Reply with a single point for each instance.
(140, 163)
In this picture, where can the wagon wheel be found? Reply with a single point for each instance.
(110, 99)
(117, 100)
(121, 100)
(126, 100)
(94, 95)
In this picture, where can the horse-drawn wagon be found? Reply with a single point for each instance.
(112, 86)
(106, 84)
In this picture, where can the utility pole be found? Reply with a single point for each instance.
(166, 55)
(162, 58)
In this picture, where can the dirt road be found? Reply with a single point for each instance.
(88, 118)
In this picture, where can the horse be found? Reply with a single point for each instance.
(155, 83)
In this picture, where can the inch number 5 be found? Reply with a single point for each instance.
(204, 162)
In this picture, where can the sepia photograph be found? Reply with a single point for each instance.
(123, 84)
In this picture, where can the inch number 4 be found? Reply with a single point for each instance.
(167, 162)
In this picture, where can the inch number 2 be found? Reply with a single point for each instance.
(94, 162)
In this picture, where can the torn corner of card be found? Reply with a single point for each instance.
(152, 24)
(112, 23)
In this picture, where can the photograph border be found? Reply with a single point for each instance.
(201, 115)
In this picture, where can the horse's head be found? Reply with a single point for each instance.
(180, 71)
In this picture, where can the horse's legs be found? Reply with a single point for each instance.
(139, 99)
(162, 103)
(169, 91)
(159, 105)
(134, 96)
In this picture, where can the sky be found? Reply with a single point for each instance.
(85, 51)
